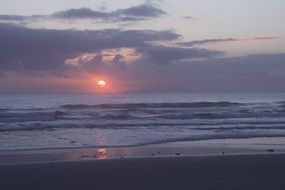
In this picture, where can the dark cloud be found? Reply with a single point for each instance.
(82, 13)
(34, 53)
(140, 12)
(135, 13)
(254, 73)
(188, 17)
(37, 51)
(211, 41)
(13, 17)
(167, 55)
(266, 38)
(20, 18)
(207, 41)
(248, 66)
(47, 49)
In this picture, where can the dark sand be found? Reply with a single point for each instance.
(190, 148)
(228, 172)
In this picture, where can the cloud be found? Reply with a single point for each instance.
(166, 55)
(135, 13)
(108, 57)
(132, 59)
(254, 73)
(42, 57)
(207, 41)
(20, 18)
(188, 17)
(48, 49)
(82, 13)
(211, 41)
(13, 17)
(140, 12)
(266, 38)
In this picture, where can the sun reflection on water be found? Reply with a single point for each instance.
(102, 153)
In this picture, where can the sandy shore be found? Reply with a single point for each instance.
(207, 172)
(190, 148)
(257, 163)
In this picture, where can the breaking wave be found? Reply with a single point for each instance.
(112, 124)
(152, 105)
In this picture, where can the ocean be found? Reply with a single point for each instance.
(134, 119)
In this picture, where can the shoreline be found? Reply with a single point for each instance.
(213, 164)
(252, 146)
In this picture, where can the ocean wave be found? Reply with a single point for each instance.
(223, 125)
(133, 141)
(130, 120)
(31, 116)
(80, 115)
(152, 105)
(205, 137)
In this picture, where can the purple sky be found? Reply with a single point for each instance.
(144, 46)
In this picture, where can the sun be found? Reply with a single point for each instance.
(101, 83)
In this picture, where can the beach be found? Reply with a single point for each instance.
(129, 141)
(213, 164)
(203, 172)
(142, 95)
(214, 147)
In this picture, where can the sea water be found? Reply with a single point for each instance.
(112, 120)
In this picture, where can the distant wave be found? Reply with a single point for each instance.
(30, 116)
(188, 125)
(130, 120)
(152, 105)
(143, 111)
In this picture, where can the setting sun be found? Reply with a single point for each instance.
(101, 83)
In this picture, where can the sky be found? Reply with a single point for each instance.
(60, 46)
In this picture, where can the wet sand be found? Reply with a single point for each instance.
(190, 148)
(212, 164)
(204, 172)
